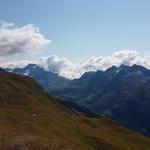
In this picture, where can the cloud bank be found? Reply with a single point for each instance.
(20, 39)
(66, 68)
(28, 38)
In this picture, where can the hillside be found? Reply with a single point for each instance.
(31, 119)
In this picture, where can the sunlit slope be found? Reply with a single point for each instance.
(32, 120)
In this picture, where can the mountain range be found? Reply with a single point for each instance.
(31, 119)
(48, 80)
(122, 93)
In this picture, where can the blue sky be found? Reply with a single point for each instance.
(80, 29)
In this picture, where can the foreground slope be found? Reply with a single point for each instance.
(31, 119)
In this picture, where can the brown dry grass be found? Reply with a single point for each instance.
(32, 120)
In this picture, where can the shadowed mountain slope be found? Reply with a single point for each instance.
(123, 93)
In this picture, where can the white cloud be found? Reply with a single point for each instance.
(62, 66)
(17, 64)
(20, 39)
(65, 67)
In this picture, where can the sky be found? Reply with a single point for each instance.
(73, 29)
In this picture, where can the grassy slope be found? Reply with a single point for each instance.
(31, 119)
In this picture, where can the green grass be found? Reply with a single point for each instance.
(30, 119)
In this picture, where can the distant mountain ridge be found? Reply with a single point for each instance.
(47, 79)
(122, 93)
